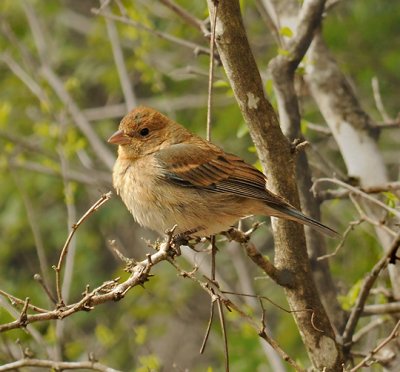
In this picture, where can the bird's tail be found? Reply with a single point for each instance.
(290, 213)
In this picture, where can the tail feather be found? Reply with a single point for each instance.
(290, 213)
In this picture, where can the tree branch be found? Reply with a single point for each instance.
(364, 293)
(55, 365)
(276, 156)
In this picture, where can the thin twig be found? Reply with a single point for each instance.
(378, 223)
(127, 89)
(46, 289)
(212, 302)
(96, 178)
(37, 33)
(71, 210)
(262, 262)
(349, 228)
(55, 365)
(210, 320)
(211, 70)
(186, 16)
(80, 120)
(108, 291)
(103, 199)
(162, 35)
(343, 193)
(271, 19)
(368, 328)
(15, 300)
(388, 308)
(33, 222)
(214, 292)
(262, 298)
(378, 100)
(364, 292)
(394, 334)
(224, 334)
(21, 74)
(356, 191)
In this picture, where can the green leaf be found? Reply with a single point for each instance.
(5, 108)
(303, 126)
(349, 300)
(141, 335)
(286, 31)
(221, 84)
(105, 335)
(149, 363)
(283, 52)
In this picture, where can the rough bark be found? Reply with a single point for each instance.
(303, 22)
(276, 156)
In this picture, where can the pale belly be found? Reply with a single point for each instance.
(159, 205)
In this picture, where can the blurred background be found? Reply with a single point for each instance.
(67, 75)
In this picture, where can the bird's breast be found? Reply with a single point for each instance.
(135, 181)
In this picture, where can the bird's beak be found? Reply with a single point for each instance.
(119, 138)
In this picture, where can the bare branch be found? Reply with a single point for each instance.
(276, 156)
(224, 335)
(309, 20)
(162, 35)
(127, 89)
(364, 292)
(350, 228)
(393, 335)
(100, 149)
(389, 308)
(37, 33)
(378, 100)
(163, 103)
(215, 292)
(37, 236)
(211, 72)
(103, 199)
(368, 328)
(17, 301)
(186, 16)
(343, 193)
(357, 192)
(89, 178)
(108, 291)
(19, 72)
(55, 365)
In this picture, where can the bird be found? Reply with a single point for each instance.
(167, 176)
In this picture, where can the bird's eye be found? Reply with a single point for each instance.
(144, 132)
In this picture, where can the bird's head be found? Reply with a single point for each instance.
(144, 131)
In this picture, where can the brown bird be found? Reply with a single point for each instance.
(166, 175)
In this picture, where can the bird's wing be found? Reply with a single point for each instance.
(210, 168)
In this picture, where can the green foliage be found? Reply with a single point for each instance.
(39, 137)
(350, 298)
(286, 31)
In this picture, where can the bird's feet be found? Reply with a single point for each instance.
(184, 238)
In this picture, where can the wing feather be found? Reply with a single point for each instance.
(189, 165)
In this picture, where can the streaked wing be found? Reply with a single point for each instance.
(189, 165)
